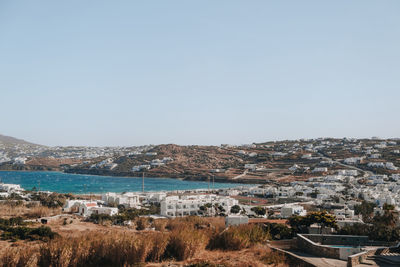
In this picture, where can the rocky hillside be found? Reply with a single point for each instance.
(8, 140)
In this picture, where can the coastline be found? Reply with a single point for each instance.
(182, 177)
(61, 182)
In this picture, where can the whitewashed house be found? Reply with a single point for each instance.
(320, 169)
(10, 188)
(347, 172)
(251, 167)
(289, 210)
(85, 208)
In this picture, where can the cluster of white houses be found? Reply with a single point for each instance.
(341, 191)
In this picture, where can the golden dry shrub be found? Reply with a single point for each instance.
(238, 237)
(270, 257)
(104, 249)
(160, 242)
(160, 224)
(41, 211)
(56, 253)
(9, 208)
(184, 242)
(19, 257)
(142, 223)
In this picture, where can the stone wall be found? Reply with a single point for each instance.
(358, 258)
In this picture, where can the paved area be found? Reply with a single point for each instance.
(328, 262)
(319, 261)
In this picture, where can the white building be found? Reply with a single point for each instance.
(294, 168)
(10, 188)
(251, 167)
(85, 208)
(342, 214)
(320, 169)
(20, 160)
(129, 199)
(102, 210)
(141, 167)
(236, 220)
(152, 197)
(185, 205)
(353, 161)
(287, 211)
(229, 192)
(347, 172)
(375, 156)
(257, 191)
(387, 165)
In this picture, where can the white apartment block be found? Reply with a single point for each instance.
(185, 205)
(129, 199)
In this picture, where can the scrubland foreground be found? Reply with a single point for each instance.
(190, 241)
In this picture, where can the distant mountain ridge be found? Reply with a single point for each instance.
(8, 140)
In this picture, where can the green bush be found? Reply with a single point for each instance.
(41, 233)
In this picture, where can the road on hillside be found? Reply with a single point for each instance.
(366, 173)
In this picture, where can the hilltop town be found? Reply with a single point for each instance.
(269, 162)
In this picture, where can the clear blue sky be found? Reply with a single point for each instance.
(198, 72)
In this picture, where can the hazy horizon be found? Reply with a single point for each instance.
(262, 141)
(135, 73)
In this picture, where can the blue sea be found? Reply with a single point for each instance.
(83, 184)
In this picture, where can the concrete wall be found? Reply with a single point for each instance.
(305, 243)
(340, 240)
(313, 248)
(344, 253)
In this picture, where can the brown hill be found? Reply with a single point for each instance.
(8, 140)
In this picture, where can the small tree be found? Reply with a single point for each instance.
(259, 211)
(235, 209)
(322, 218)
(366, 209)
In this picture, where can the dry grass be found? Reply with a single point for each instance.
(111, 249)
(160, 224)
(181, 241)
(19, 257)
(12, 209)
(258, 255)
(238, 237)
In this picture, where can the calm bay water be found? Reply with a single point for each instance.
(76, 183)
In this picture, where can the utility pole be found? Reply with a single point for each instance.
(142, 182)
